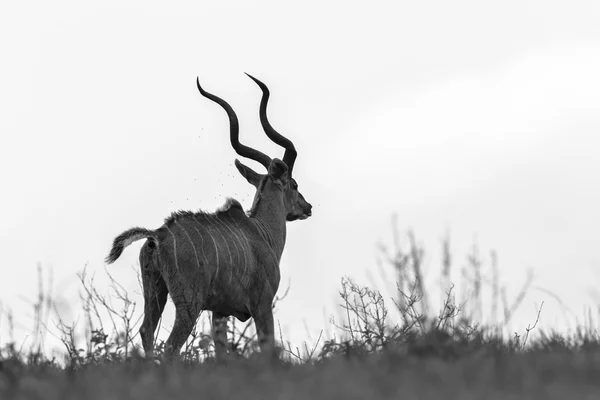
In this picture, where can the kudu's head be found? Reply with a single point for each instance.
(278, 181)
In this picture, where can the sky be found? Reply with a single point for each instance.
(471, 119)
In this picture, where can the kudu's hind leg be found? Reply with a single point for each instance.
(155, 298)
(186, 316)
(219, 334)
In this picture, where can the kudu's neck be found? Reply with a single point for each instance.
(269, 215)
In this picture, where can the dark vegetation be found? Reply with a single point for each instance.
(381, 348)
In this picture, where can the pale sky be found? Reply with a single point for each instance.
(481, 120)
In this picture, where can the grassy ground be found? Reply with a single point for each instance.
(483, 374)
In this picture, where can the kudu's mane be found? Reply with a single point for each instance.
(231, 209)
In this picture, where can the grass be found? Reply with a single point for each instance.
(487, 371)
(377, 352)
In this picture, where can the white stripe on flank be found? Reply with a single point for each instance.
(216, 226)
(216, 252)
(239, 248)
(248, 250)
(206, 263)
(174, 250)
(191, 242)
(202, 246)
(234, 235)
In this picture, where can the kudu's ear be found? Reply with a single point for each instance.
(251, 176)
(277, 168)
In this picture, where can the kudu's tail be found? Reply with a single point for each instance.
(126, 238)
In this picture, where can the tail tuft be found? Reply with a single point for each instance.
(125, 239)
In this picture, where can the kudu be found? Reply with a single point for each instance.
(226, 262)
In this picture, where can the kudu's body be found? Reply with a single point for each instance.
(226, 262)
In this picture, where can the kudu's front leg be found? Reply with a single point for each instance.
(265, 330)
